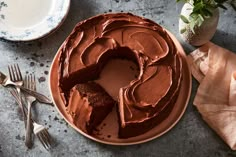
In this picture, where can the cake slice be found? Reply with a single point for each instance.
(89, 104)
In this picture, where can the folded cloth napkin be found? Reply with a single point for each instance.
(215, 69)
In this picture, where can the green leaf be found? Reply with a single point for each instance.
(197, 7)
(194, 16)
(184, 19)
(192, 25)
(207, 12)
(199, 22)
(183, 30)
(200, 16)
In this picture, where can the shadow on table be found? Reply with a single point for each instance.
(226, 40)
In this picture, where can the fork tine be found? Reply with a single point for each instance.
(47, 137)
(26, 82)
(44, 138)
(34, 83)
(42, 141)
(31, 82)
(16, 72)
(19, 72)
(11, 73)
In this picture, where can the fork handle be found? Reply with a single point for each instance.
(29, 129)
(40, 97)
(21, 105)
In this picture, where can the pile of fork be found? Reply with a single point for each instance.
(24, 92)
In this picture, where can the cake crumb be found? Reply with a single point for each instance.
(42, 79)
(46, 72)
(56, 118)
(32, 64)
(18, 137)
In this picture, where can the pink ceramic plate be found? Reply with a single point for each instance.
(108, 130)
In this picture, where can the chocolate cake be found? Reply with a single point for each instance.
(89, 104)
(145, 101)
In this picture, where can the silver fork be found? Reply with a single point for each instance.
(16, 77)
(39, 130)
(5, 81)
(29, 83)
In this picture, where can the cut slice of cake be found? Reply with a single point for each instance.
(89, 104)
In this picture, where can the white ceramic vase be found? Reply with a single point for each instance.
(204, 33)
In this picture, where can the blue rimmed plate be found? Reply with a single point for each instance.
(26, 20)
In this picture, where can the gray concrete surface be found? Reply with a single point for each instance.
(190, 137)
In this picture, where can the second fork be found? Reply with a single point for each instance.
(29, 83)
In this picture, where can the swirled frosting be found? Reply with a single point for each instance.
(94, 41)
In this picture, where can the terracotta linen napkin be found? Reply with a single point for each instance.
(215, 69)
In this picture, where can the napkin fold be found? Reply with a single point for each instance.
(215, 69)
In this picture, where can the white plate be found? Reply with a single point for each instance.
(26, 20)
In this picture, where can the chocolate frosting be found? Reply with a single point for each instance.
(97, 39)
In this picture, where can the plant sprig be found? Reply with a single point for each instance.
(202, 9)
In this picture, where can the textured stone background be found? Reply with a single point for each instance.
(190, 137)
